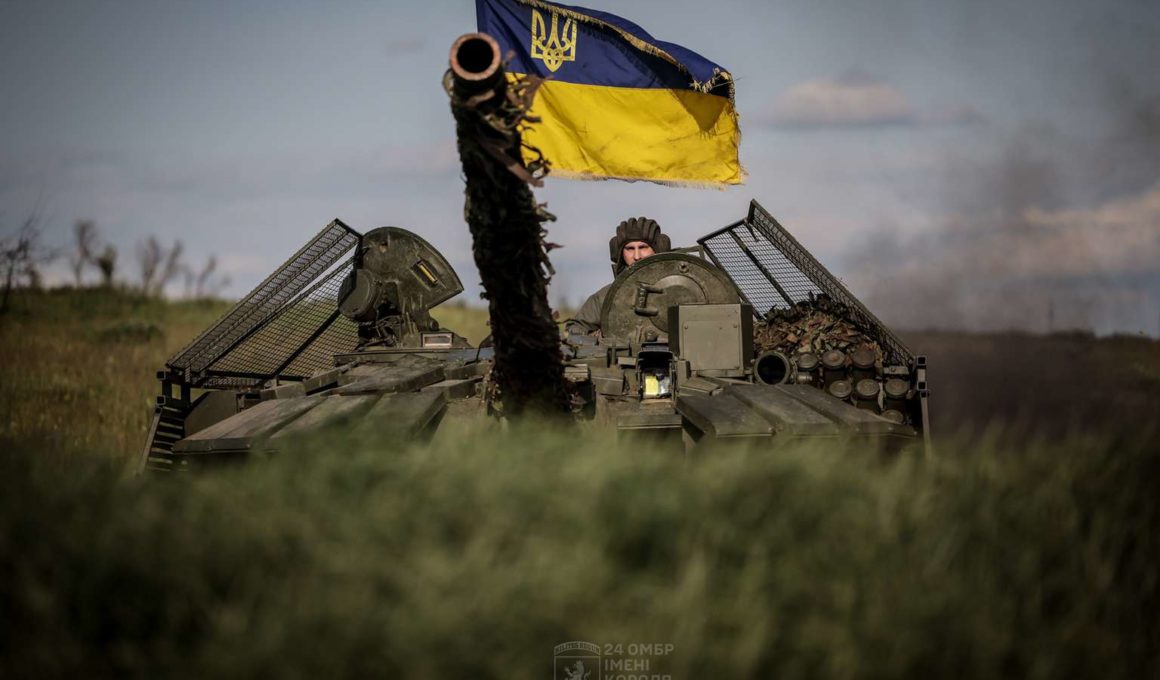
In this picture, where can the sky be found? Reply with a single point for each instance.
(975, 165)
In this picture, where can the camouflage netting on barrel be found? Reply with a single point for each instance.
(506, 225)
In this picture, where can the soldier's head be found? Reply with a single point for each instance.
(636, 238)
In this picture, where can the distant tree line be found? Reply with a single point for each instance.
(23, 255)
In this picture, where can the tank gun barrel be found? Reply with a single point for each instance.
(475, 64)
(506, 224)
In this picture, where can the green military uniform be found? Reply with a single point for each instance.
(587, 319)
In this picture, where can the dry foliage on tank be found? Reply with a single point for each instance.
(816, 325)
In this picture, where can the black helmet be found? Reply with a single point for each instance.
(636, 229)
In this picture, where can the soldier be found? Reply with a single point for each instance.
(636, 238)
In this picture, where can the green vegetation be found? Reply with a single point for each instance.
(77, 368)
(474, 554)
(470, 322)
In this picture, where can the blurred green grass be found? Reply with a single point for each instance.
(474, 554)
(1022, 551)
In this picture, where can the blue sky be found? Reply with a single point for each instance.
(946, 158)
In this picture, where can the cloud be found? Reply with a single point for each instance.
(959, 114)
(1122, 236)
(858, 99)
(1048, 231)
(1039, 269)
(1116, 240)
(853, 99)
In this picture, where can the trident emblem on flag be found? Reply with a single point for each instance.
(549, 47)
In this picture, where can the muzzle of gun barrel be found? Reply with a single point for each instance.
(477, 67)
(772, 368)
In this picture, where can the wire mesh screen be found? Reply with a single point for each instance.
(300, 339)
(284, 327)
(772, 270)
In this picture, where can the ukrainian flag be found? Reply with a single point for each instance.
(616, 102)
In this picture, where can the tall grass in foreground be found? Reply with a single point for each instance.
(474, 554)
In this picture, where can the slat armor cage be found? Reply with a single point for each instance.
(287, 327)
(772, 270)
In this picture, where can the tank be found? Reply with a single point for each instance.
(742, 337)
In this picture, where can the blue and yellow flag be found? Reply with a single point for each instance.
(616, 102)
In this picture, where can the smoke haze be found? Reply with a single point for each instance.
(1048, 233)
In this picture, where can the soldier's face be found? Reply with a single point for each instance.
(635, 251)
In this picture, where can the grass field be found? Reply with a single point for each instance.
(1027, 548)
(77, 367)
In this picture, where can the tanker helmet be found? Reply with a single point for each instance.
(636, 229)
